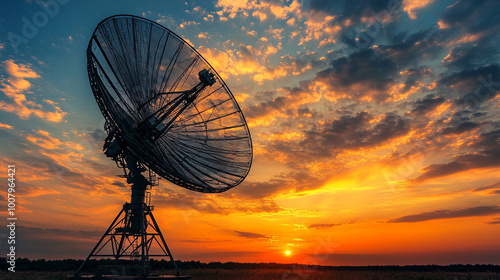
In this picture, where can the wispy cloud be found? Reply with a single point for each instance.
(323, 226)
(249, 234)
(448, 214)
(6, 126)
(487, 157)
(16, 87)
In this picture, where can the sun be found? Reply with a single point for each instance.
(288, 253)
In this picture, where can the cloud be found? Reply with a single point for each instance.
(249, 234)
(319, 26)
(20, 71)
(496, 221)
(119, 184)
(34, 191)
(469, 57)
(410, 49)
(44, 140)
(471, 16)
(258, 14)
(459, 164)
(462, 126)
(284, 103)
(283, 183)
(6, 126)
(187, 23)
(222, 204)
(426, 105)
(473, 86)
(364, 75)
(281, 11)
(233, 5)
(241, 62)
(323, 226)
(15, 87)
(251, 61)
(493, 189)
(259, 190)
(448, 214)
(410, 6)
(55, 165)
(203, 35)
(350, 132)
(259, 9)
(354, 10)
(486, 156)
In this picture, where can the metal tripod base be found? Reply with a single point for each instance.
(130, 236)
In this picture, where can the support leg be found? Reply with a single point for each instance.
(113, 224)
(157, 228)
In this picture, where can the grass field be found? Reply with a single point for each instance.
(282, 274)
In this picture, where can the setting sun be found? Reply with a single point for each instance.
(288, 253)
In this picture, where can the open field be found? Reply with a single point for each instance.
(284, 274)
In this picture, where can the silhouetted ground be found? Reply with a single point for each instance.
(60, 269)
(277, 274)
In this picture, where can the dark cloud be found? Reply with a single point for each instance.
(304, 60)
(460, 128)
(463, 121)
(448, 214)
(461, 163)
(486, 155)
(207, 203)
(350, 9)
(472, 15)
(495, 188)
(264, 108)
(323, 226)
(489, 141)
(411, 50)
(469, 57)
(119, 184)
(249, 234)
(257, 190)
(362, 74)
(247, 52)
(454, 79)
(353, 132)
(98, 136)
(427, 104)
(473, 86)
(303, 112)
(292, 181)
(472, 27)
(372, 30)
(496, 221)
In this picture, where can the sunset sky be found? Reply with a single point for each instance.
(375, 126)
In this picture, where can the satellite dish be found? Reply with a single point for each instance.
(167, 112)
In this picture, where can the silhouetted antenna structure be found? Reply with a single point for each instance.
(167, 112)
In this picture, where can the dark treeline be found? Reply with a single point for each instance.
(24, 264)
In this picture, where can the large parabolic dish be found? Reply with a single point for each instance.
(167, 106)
